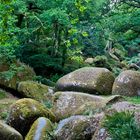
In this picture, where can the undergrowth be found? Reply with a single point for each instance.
(122, 126)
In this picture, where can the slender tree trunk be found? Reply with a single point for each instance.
(64, 51)
(20, 20)
(55, 44)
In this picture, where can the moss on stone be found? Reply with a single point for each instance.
(25, 112)
(14, 72)
(40, 130)
(34, 90)
(104, 83)
(127, 84)
(91, 80)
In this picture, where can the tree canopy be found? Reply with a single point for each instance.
(55, 37)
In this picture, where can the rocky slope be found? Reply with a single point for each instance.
(74, 109)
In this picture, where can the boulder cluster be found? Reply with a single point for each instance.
(72, 110)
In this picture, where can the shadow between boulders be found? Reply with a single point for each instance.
(12, 91)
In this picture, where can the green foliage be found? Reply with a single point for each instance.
(134, 59)
(51, 35)
(51, 135)
(7, 24)
(7, 53)
(55, 77)
(55, 15)
(135, 100)
(54, 37)
(44, 81)
(122, 126)
(48, 104)
(11, 72)
(8, 39)
(120, 25)
(4, 115)
(2, 94)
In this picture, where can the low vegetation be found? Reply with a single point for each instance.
(2, 94)
(122, 126)
(135, 100)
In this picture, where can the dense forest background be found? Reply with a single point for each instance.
(58, 36)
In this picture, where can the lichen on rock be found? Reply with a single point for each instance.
(127, 83)
(34, 90)
(77, 128)
(67, 103)
(91, 80)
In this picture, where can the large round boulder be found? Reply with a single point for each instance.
(127, 84)
(34, 90)
(67, 104)
(9, 133)
(77, 128)
(24, 112)
(88, 79)
(40, 130)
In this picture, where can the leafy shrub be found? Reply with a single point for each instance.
(4, 115)
(122, 126)
(43, 63)
(135, 100)
(55, 77)
(134, 59)
(44, 81)
(48, 104)
(2, 94)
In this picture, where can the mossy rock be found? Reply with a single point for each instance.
(4, 107)
(67, 104)
(34, 90)
(9, 133)
(101, 61)
(11, 73)
(24, 112)
(89, 60)
(40, 130)
(127, 84)
(91, 80)
(77, 128)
